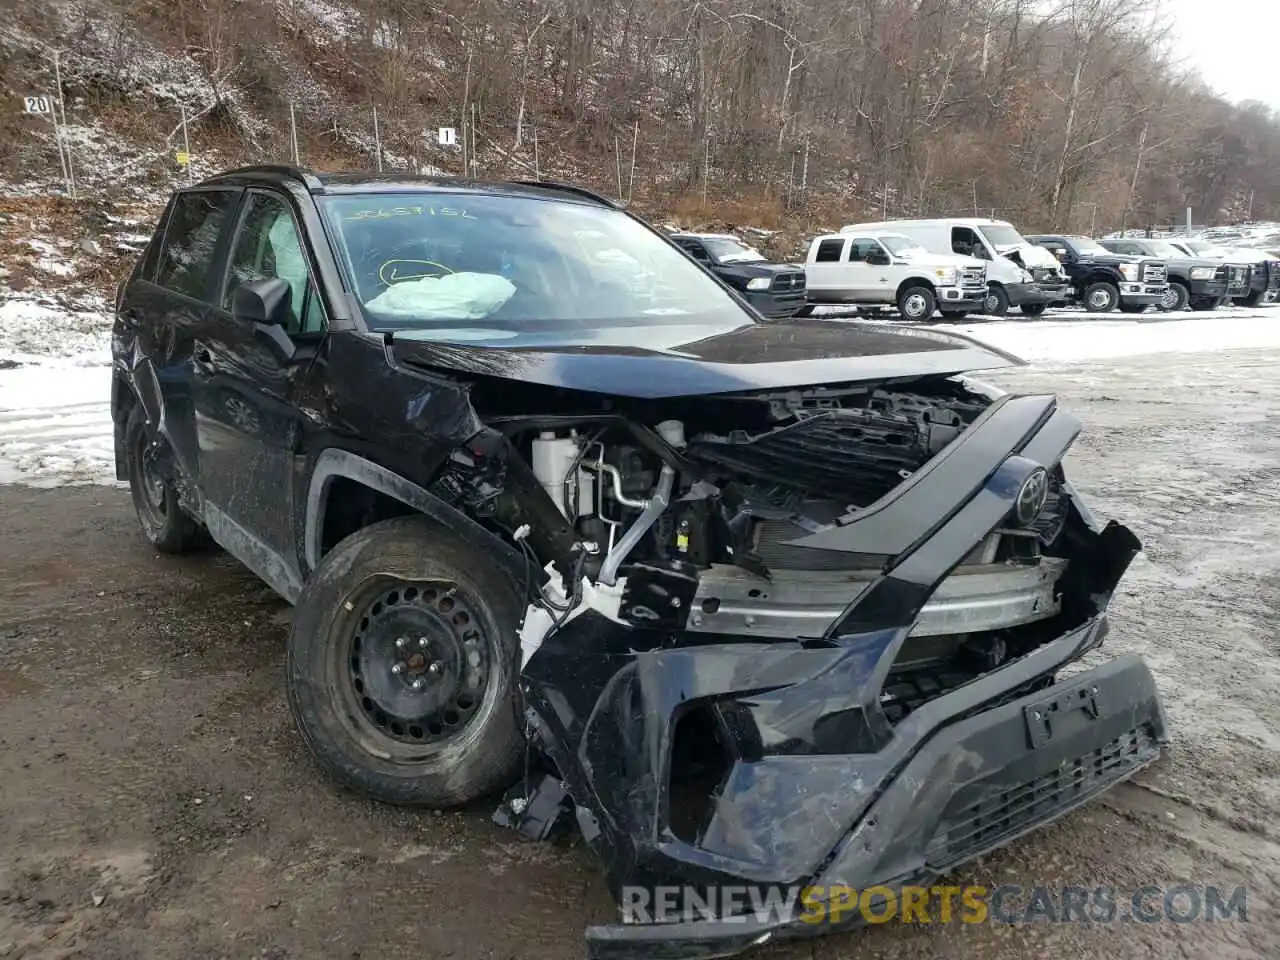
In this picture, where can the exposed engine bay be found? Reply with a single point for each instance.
(696, 524)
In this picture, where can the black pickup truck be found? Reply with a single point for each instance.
(1264, 266)
(777, 290)
(1102, 280)
(1203, 283)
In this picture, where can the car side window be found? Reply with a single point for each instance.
(191, 239)
(695, 250)
(859, 249)
(829, 251)
(967, 243)
(268, 247)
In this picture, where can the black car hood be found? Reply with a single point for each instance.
(756, 356)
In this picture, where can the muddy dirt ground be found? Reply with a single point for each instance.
(155, 801)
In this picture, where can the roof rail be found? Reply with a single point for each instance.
(566, 188)
(299, 173)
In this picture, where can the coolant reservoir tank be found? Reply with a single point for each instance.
(672, 431)
(553, 458)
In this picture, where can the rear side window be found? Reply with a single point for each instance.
(829, 251)
(186, 261)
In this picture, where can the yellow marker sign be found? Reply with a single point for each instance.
(183, 158)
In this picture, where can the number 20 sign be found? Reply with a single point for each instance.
(37, 104)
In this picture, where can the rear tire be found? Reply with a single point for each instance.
(1101, 297)
(402, 666)
(165, 524)
(916, 303)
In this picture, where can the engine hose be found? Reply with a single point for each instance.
(649, 516)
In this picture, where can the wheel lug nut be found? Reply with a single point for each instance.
(398, 669)
(434, 668)
(422, 642)
(401, 643)
(418, 684)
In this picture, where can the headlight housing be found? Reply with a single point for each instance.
(1026, 277)
(945, 275)
(759, 283)
(1203, 273)
(1129, 271)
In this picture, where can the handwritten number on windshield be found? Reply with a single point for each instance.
(383, 213)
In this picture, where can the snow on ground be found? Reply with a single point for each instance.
(1053, 341)
(55, 383)
(55, 423)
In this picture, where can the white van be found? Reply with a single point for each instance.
(885, 267)
(1019, 273)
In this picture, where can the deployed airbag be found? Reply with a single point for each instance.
(455, 296)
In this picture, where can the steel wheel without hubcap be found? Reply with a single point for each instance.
(1099, 300)
(402, 664)
(416, 668)
(152, 501)
(913, 306)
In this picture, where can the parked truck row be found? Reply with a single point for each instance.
(962, 266)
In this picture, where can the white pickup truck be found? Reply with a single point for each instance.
(882, 268)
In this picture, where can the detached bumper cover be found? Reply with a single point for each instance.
(819, 787)
(975, 785)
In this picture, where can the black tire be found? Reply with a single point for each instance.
(168, 527)
(917, 303)
(395, 577)
(1208, 303)
(954, 315)
(997, 301)
(805, 311)
(1176, 298)
(1094, 294)
(1033, 309)
(1254, 298)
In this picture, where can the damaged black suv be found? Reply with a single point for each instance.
(750, 603)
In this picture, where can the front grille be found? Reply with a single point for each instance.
(977, 827)
(973, 277)
(785, 282)
(1154, 273)
(853, 455)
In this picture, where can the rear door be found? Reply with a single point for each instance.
(825, 271)
(248, 418)
(168, 305)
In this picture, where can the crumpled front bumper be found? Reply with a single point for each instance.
(818, 787)
(968, 773)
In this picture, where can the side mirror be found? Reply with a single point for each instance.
(264, 301)
(877, 258)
